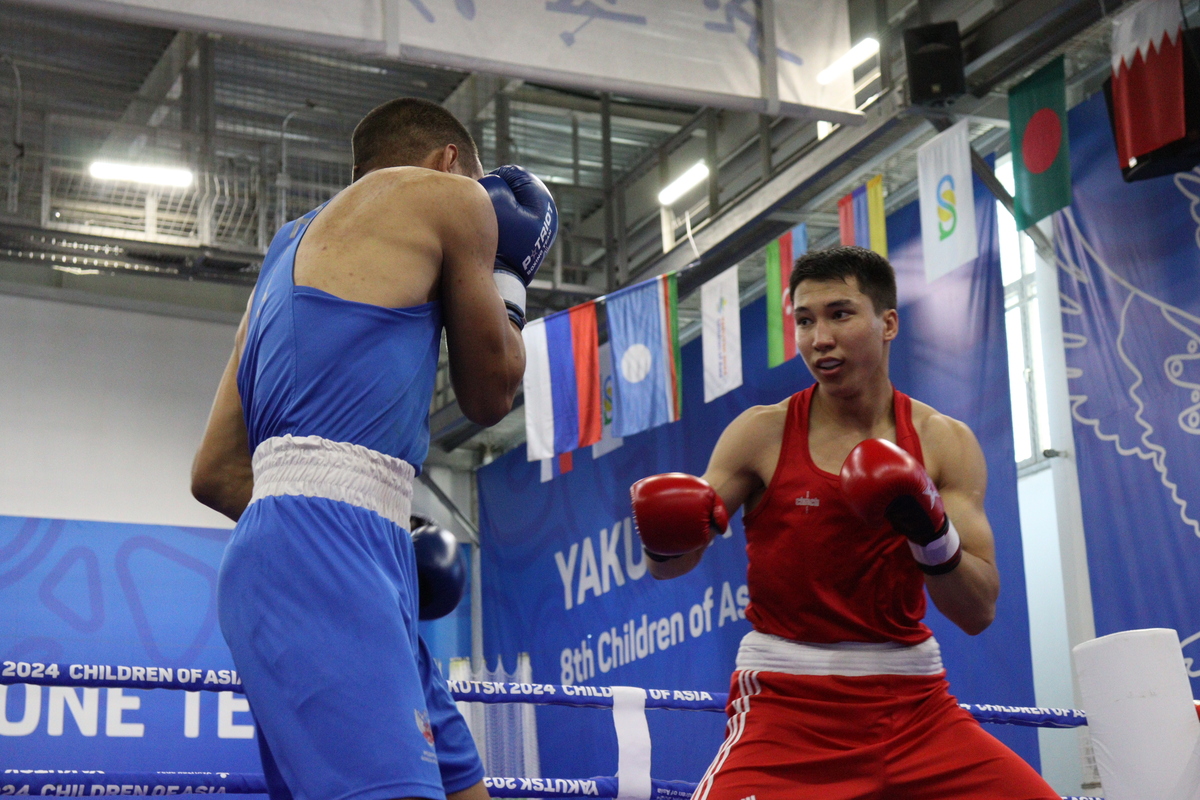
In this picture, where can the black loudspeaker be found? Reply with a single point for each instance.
(1182, 154)
(935, 63)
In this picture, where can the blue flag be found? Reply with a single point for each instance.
(643, 328)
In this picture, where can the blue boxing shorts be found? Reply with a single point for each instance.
(317, 598)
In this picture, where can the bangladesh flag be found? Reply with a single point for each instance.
(1037, 114)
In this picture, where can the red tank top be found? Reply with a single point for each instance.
(817, 572)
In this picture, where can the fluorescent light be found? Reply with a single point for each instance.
(684, 183)
(853, 57)
(140, 173)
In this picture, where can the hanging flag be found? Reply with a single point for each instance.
(846, 219)
(862, 219)
(721, 331)
(643, 328)
(1147, 79)
(608, 400)
(560, 464)
(947, 202)
(562, 382)
(1037, 114)
(876, 216)
(781, 254)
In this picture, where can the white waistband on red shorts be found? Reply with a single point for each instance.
(310, 466)
(761, 651)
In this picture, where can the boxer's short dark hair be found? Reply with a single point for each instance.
(403, 132)
(875, 276)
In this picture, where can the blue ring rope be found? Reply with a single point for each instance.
(84, 783)
(107, 676)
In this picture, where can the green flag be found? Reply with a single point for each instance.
(1037, 114)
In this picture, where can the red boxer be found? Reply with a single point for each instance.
(858, 499)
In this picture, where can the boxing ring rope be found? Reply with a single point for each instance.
(627, 703)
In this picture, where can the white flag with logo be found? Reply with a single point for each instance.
(721, 329)
(947, 202)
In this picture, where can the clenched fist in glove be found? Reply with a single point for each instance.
(676, 513)
(882, 481)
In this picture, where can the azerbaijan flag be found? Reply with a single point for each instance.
(1037, 113)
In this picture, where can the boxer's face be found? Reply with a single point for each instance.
(841, 337)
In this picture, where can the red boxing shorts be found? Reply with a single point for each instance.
(859, 738)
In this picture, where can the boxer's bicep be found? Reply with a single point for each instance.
(487, 356)
(963, 486)
(731, 468)
(222, 477)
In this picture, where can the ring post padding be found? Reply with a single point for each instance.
(1141, 715)
(633, 743)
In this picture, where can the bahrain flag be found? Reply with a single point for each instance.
(1147, 78)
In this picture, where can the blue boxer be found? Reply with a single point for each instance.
(319, 426)
(318, 587)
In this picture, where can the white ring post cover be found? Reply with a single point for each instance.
(633, 743)
(1141, 716)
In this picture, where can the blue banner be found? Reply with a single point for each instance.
(1131, 320)
(96, 593)
(563, 575)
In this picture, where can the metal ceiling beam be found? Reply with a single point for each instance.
(153, 92)
(717, 237)
(1021, 33)
(541, 96)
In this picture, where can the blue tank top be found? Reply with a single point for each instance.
(317, 365)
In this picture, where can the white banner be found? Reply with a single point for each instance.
(721, 329)
(947, 202)
(685, 50)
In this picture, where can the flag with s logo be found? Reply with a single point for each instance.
(947, 202)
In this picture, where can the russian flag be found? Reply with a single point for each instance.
(562, 382)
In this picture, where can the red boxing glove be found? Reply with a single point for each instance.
(881, 481)
(676, 514)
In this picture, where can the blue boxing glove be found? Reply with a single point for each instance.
(441, 571)
(527, 220)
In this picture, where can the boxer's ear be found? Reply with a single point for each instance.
(891, 324)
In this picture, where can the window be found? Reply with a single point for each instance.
(1026, 368)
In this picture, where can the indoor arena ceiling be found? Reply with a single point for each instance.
(265, 127)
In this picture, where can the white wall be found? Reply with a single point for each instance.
(102, 409)
(1049, 643)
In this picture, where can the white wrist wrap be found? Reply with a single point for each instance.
(940, 550)
(512, 290)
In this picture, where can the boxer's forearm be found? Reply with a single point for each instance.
(673, 568)
(226, 489)
(476, 792)
(967, 594)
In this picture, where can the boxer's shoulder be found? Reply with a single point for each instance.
(944, 439)
(935, 428)
(420, 191)
(756, 433)
(761, 422)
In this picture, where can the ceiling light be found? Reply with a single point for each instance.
(855, 56)
(685, 182)
(141, 173)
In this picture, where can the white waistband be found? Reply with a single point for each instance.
(768, 653)
(310, 466)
